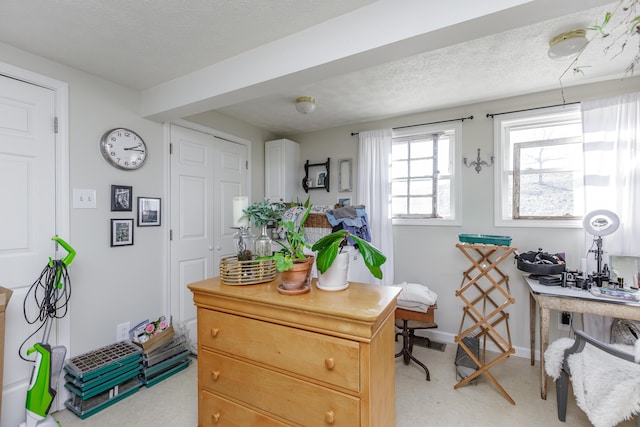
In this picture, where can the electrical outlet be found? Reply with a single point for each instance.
(122, 331)
(565, 320)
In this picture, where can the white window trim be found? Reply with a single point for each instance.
(500, 158)
(456, 179)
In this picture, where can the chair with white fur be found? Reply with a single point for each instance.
(415, 311)
(605, 378)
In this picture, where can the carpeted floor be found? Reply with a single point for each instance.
(173, 402)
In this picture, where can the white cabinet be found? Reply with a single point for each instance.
(282, 171)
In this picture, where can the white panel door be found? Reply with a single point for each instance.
(231, 179)
(27, 222)
(206, 173)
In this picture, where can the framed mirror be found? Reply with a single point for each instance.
(344, 176)
(626, 267)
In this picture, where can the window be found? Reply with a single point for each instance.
(423, 175)
(539, 176)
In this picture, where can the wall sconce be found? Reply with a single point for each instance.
(478, 163)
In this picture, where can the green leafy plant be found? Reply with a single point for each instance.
(329, 246)
(295, 243)
(264, 212)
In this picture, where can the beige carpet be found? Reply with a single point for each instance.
(173, 402)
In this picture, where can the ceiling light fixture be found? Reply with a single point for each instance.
(306, 104)
(567, 45)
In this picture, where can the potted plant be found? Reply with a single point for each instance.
(292, 263)
(332, 260)
(261, 214)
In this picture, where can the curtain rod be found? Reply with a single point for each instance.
(532, 109)
(461, 119)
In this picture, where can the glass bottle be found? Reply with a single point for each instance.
(263, 243)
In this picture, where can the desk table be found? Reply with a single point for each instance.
(570, 299)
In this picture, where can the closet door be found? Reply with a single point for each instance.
(206, 173)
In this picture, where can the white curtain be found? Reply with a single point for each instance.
(374, 188)
(611, 132)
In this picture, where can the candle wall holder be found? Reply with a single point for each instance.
(478, 163)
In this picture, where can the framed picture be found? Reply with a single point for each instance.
(121, 198)
(121, 232)
(344, 201)
(320, 177)
(148, 211)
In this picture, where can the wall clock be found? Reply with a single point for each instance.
(123, 149)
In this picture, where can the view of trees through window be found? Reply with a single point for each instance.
(543, 168)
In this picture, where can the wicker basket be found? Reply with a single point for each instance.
(251, 272)
(317, 220)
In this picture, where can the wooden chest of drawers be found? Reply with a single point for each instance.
(318, 359)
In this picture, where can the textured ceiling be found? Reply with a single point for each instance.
(143, 44)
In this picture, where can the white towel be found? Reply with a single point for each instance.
(416, 297)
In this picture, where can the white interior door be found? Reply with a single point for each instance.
(28, 194)
(206, 173)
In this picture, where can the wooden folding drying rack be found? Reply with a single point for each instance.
(485, 293)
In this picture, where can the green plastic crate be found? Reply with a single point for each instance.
(485, 239)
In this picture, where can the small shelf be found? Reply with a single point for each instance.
(322, 170)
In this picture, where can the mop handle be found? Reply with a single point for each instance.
(71, 253)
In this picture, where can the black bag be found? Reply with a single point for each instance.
(540, 263)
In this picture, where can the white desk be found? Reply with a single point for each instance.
(567, 299)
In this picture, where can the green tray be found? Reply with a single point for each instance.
(486, 239)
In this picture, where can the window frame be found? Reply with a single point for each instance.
(455, 198)
(501, 126)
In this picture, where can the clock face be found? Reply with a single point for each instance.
(123, 148)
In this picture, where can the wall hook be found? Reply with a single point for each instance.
(477, 163)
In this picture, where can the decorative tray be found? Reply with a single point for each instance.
(250, 272)
(486, 239)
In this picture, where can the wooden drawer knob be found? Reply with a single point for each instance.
(215, 375)
(215, 417)
(214, 332)
(329, 363)
(329, 417)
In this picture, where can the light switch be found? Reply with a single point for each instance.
(84, 199)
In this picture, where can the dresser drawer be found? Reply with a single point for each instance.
(301, 402)
(314, 355)
(216, 411)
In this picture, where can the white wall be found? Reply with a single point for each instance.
(427, 254)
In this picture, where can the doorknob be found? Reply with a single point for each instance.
(218, 247)
(210, 248)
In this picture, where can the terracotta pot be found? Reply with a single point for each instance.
(297, 276)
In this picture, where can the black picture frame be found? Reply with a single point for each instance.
(121, 198)
(121, 232)
(149, 211)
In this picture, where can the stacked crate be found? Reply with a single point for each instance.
(162, 362)
(102, 377)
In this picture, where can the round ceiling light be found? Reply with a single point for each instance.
(567, 45)
(306, 104)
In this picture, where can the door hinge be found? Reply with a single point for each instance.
(170, 148)
(170, 234)
(55, 125)
(246, 164)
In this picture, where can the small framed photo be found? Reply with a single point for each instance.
(148, 211)
(121, 198)
(344, 201)
(320, 177)
(121, 232)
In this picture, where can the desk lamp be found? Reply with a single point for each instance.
(600, 223)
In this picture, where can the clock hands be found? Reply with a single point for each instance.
(134, 149)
